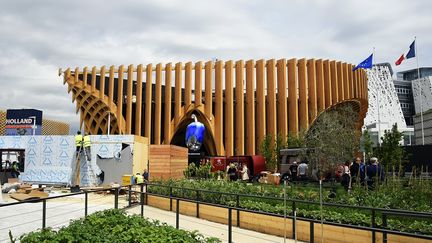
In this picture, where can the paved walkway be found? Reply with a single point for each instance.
(207, 228)
(27, 217)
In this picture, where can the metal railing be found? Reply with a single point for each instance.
(374, 212)
(198, 200)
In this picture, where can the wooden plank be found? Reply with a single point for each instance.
(148, 106)
(158, 105)
(229, 109)
(138, 112)
(282, 110)
(129, 99)
(178, 92)
(250, 107)
(239, 109)
(208, 89)
(271, 99)
(293, 97)
(260, 102)
(218, 133)
(167, 116)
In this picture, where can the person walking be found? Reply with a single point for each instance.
(346, 176)
(232, 172)
(245, 173)
(302, 171)
(293, 171)
(354, 169)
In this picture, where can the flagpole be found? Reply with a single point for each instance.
(420, 88)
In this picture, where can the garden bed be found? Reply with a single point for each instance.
(390, 196)
(115, 226)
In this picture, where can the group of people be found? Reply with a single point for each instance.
(232, 172)
(369, 174)
(298, 172)
(83, 142)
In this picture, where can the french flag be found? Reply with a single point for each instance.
(411, 53)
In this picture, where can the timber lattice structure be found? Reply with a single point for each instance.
(248, 99)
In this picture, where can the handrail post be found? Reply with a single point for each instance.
(146, 195)
(129, 195)
(177, 213)
(170, 191)
(116, 197)
(142, 199)
(85, 203)
(373, 226)
(229, 224)
(238, 211)
(43, 214)
(197, 203)
(384, 224)
(293, 220)
(311, 232)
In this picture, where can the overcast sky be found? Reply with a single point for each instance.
(38, 37)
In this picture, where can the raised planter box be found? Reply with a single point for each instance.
(275, 225)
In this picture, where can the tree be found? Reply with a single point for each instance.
(367, 144)
(391, 152)
(270, 148)
(332, 139)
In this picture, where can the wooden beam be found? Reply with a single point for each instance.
(168, 100)
(229, 109)
(239, 121)
(250, 107)
(293, 97)
(158, 105)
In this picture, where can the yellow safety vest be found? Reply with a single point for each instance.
(78, 140)
(140, 179)
(87, 142)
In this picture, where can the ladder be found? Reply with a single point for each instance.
(90, 173)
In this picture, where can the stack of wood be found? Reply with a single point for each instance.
(167, 161)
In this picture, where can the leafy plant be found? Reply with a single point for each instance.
(115, 226)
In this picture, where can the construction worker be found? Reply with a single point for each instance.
(78, 141)
(87, 146)
(139, 178)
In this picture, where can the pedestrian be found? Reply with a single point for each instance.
(374, 173)
(293, 171)
(146, 175)
(232, 172)
(346, 176)
(15, 172)
(302, 171)
(354, 169)
(245, 173)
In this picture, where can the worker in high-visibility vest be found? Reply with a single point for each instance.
(78, 141)
(87, 146)
(139, 178)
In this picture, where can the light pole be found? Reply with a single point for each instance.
(34, 124)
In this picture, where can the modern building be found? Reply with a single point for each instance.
(384, 105)
(49, 127)
(403, 85)
(422, 91)
(238, 102)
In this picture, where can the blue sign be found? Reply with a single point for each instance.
(195, 135)
(23, 122)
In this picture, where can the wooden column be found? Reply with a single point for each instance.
(340, 82)
(250, 107)
(303, 95)
(120, 98)
(282, 111)
(138, 112)
(93, 80)
(148, 106)
(188, 86)
(177, 92)
(239, 108)
(76, 76)
(334, 82)
(355, 80)
(271, 99)
(102, 83)
(293, 97)
(111, 87)
(219, 107)
(260, 102)
(312, 90)
(198, 84)
(327, 84)
(346, 81)
(158, 105)
(208, 90)
(84, 81)
(167, 105)
(129, 100)
(321, 98)
(229, 109)
(351, 80)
